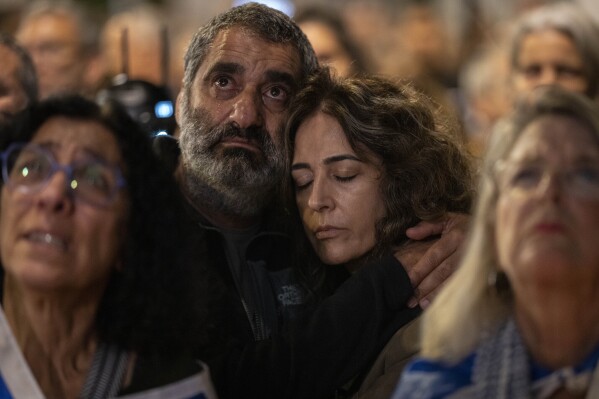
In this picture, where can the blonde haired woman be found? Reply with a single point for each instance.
(520, 318)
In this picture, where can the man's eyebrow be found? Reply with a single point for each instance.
(224, 67)
(284, 77)
(327, 161)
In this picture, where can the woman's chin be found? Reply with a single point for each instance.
(41, 279)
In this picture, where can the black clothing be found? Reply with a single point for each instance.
(153, 371)
(267, 341)
(306, 355)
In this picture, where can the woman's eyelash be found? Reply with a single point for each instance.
(345, 178)
(301, 186)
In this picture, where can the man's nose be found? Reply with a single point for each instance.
(548, 76)
(247, 110)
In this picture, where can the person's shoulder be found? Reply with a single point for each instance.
(427, 378)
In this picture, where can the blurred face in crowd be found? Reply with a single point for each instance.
(547, 218)
(327, 47)
(423, 41)
(54, 43)
(52, 238)
(548, 57)
(12, 95)
(144, 44)
(232, 117)
(337, 192)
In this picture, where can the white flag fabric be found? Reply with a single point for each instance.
(16, 379)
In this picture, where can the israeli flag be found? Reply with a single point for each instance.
(16, 380)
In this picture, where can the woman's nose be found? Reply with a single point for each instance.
(320, 198)
(56, 195)
(551, 186)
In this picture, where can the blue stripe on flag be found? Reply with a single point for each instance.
(4, 393)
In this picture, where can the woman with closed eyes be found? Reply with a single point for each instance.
(368, 159)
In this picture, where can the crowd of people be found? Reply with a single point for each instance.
(297, 235)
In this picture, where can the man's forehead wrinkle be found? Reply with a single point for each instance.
(232, 44)
(232, 52)
(220, 66)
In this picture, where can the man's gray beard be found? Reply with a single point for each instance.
(234, 182)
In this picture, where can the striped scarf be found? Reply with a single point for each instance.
(502, 370)
(106, 373)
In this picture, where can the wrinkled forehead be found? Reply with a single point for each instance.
(49, 26)
(558, 138)
(248, 44)
(66, 134)
(208, 38)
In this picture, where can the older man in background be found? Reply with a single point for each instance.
(63, 43)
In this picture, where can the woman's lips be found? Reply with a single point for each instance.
(325, 232)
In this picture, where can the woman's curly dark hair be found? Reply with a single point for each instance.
(426, 172)
(149, 305)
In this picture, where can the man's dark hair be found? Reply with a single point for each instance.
(269, 24)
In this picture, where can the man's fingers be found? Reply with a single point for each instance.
(425, 266)
(440, 260)
(426, 301)
(450, 222)
(425, 229)
(431, 284)
(413, 302)
(415, 260)
(433, 258)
